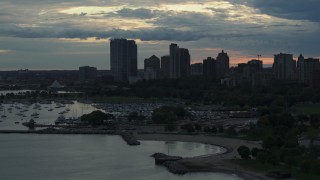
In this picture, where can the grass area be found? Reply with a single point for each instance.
(256, 166)
(307, 108)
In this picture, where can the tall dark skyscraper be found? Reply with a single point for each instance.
(222, 64)
(210, 68)
(179, 62)
(284, 66)
(306, 67)
(174, 61)
(123, 59)
(165, 66)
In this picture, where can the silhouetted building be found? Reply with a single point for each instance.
(179, 61)
(196, 69)
(257, 65)
(123, 56)
(184, 58)
(306, 68)
(87, 73)
(316, 77)
(174, 61)
(284, 66)
(165, 66)
(222, 64)
(152, 67)
(210, 68)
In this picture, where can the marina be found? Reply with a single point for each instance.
(44, 112)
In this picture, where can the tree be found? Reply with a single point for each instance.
(254, 152)
(244, 152)
(96, 118)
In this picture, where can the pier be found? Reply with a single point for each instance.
(128, 137)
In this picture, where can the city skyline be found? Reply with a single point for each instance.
(68, 34)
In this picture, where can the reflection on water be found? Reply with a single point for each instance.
(17, 113)
(94, 157)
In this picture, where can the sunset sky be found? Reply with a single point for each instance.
(57, 34)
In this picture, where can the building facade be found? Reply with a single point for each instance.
(152, 67)
(210, 68)
(284, 66)
(179, 62)
(196, 69)
(223, 63)
(165, 66)
(123, 59)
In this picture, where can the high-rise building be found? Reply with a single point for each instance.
(257, 65)
(179, 61)
(152, 67)
(165, 66)
(284, 66)
(222, 64)
(174, 61)
(306, 68)
(87, 73)
(210, 68)
(196, 69)
(184, 58)
(152, 62)
(123, 56)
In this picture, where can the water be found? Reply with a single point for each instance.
(12, 112)
(94, 157)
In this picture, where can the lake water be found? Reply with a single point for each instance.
(94, 157)
(18, 112)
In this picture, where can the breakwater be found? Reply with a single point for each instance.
(170, 162)
(127, 137)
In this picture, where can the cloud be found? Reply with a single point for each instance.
(140, 13)
(2, 52)
(293, 9)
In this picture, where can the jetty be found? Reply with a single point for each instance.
(126, 136)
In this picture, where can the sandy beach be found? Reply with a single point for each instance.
(213, 163)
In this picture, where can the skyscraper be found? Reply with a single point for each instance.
(210, 68)
(152, 67)
(222, 64)
(306, 68)
(284, 66)
(165, 66)
(123, 56)
(179, 61)
(184, 58)
(174, 61)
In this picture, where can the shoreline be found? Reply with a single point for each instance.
(212, 162)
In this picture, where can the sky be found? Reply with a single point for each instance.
(66, 34)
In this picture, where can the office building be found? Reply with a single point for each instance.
(222, 64)
(210, 68)
(306, 68)
(196, 69)
(152, 68)
(123, 56)
(165, 66)
(284, 66)
(179, 62)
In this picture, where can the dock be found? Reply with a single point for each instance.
(127, 137)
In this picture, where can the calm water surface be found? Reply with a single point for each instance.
(20, 113)
(93, 157)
